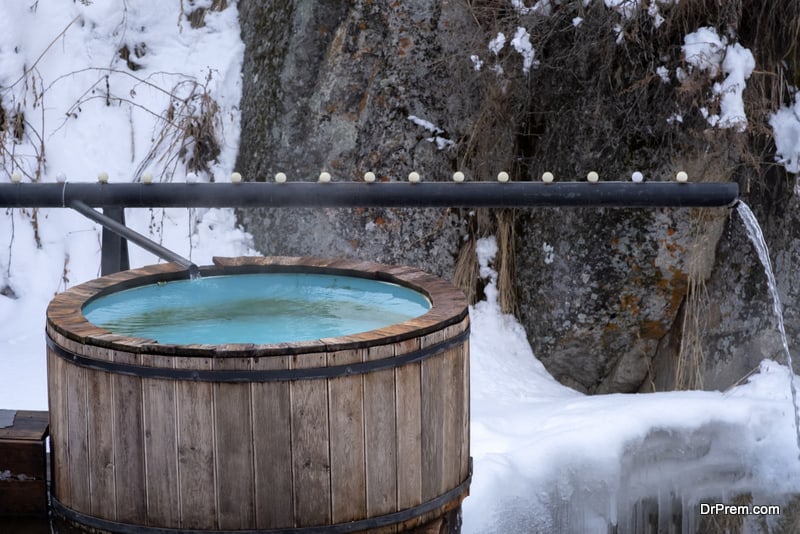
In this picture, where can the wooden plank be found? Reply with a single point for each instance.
(28, 425)
(161, 446)
(63, 342)
(102, 462)
(433, 414)
(310, 445)
(23, 457)
(129, 444)
(453, 399)
(198, 502)
(380, 418)
(77, 438)
(465, 417)
(409, 429)
(18, 498)
(272, 430)
(59, 427)
(456, 401)
(348, 466)
(234, 449)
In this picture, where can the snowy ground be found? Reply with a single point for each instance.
(546, 458)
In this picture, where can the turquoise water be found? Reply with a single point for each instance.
(255, 308)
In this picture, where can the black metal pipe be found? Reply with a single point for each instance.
(362, 194)
(130, 235)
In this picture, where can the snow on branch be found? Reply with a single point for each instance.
(706, 51)
(785, 125)
(437, 137)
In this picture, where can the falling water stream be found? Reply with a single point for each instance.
(757, 237)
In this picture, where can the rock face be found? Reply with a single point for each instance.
(598, 302)
(739, 327)
(612, 300)
(331, 86)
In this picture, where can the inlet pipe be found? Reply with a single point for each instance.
(122, 230)
(364, 194)
(113, 198)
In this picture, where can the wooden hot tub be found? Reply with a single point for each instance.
(363, 432)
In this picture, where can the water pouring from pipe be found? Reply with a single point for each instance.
(757, 238)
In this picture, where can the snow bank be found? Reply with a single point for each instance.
(549, 459)
(86, 111)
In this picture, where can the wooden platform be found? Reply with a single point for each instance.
(23, 465)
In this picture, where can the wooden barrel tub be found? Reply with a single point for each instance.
(360, 433)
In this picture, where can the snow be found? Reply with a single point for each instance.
(440, 142)
(785, 123)
(428, 125)
(520, 7)
(477, 63)
(625, 7)
(654, 12)
(522, 44)
(628, 8)
(549, 459)
(94, 115)
(546, 458)
(497, 44)
(620, 34)
(541, 7)
(738, 65)
(704, 49)
(675, 117)
(663, 73)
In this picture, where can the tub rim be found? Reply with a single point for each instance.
(448, 306)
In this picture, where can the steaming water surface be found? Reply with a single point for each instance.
(255, 308)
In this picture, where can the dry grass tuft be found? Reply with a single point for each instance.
(725, 523)
(466, 272)
(789, 522)
(197, 15)
(507, 294)
(690, 367)
(189, 131)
